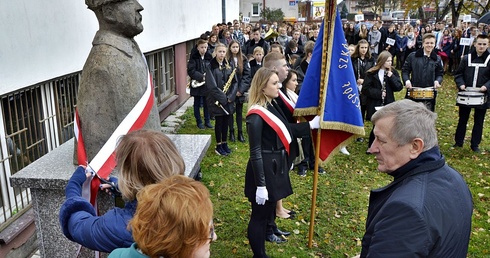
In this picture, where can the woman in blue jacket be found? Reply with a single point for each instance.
(143, 157)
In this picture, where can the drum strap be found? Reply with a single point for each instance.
(477, 68)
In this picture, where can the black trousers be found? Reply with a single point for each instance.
(221, 128)
(260, 226)
(239, 118)
(476, 133)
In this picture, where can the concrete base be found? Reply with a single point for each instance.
(47, 178)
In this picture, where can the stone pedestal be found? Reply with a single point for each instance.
(47, 178)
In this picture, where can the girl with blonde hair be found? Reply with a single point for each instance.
(267, 174)
(221, 89)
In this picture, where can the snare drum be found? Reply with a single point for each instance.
(471, 98)
(420, 93)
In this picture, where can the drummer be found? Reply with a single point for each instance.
(423, 69)
(473, 74)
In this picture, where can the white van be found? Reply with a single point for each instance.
(394, 16)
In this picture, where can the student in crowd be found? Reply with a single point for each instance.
(292, 49)
(362, 34)
(392, 35)
(239, 62)
(196, 69)
(350, 34)
(256, 62)
(401, 47)
(255, 41)
(212, 42)
(163, 227)
(374, 39)
(423, 69)
(143, 157)
(305, 61)
(221, 88)
(446, 45)
(473, 74)
(362, 61)
(379, 86)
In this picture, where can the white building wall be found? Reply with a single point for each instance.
(44, 39)
(232, 10)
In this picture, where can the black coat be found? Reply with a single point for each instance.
(372, 89)
(243, 79)
(425, 212)
(216, 78)
(360, 68)
(254, 67)
(269, 162)
(422, 71)
(465, 74)
(390, 48)
(196, 68)
(250, 45)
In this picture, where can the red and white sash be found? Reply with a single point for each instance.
(274, 122)
(104, 162)
(289, 103)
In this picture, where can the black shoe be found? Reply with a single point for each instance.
(475, 149)
(220, 151)
(291, 212)
(225, 148)
(232, 136)
(279, 233)
(458, 145)
(321, 171)
(275, 239)
(240, 137)
(360, 139)
(302, 172)
(209, 125)
(200, 126)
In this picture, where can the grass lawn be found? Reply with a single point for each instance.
(343, 192)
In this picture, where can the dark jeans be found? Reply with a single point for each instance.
(200, 101)
(258, 227)
(476, 133)
(221, 128)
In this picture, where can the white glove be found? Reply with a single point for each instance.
(261, 195)
(315, 122)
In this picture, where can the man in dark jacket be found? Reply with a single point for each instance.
(255, 41)
(473, 80)
(196, 69)
(423, 69)
(426, 211)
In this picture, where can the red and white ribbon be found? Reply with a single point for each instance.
(274, 122)
(104, 162)
(289, 103)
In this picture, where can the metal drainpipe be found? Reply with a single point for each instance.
(223, 11)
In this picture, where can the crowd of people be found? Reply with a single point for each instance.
(426, 210)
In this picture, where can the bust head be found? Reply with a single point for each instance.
(119, 16)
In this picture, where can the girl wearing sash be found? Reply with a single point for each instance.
(143, 157)
(267, 173)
